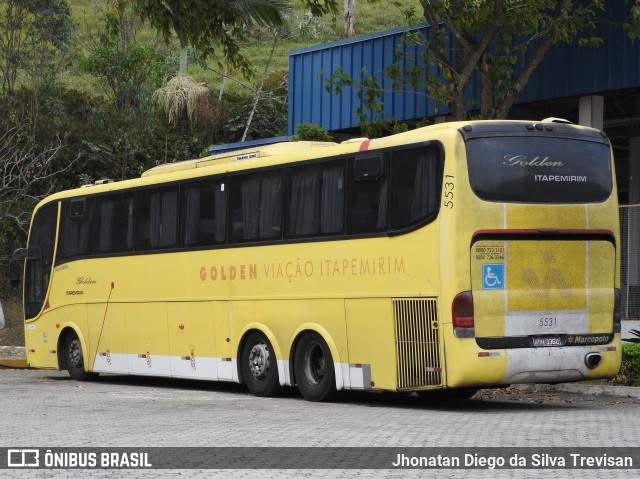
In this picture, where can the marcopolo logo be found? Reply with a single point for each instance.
(23, 458)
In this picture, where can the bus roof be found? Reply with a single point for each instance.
(275, 149)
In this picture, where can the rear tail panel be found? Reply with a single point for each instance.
(534, 291)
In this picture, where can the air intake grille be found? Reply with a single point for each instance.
(417, 343)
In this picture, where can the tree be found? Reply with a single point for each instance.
(258, 93)
(206, 26)
(349, 17)
(632, 25)
(130, 69)
(493, 36)
(29, 29)
(179, 98)
(27, 171)
(500, 41)
(34, 39)
(293, 27)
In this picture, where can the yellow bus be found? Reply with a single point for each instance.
(441, 260)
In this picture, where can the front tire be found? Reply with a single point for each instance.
(314, 369)
(260, 366)
(74, 359)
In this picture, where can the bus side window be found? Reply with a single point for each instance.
(156, 214)
(256, 206)
(76, 221)
(315, 199)
(415, 185)
(114, 223)
(204, 207)
(368, 195)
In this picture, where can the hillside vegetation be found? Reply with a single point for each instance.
(301, 30)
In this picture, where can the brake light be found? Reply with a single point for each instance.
(617, 313)
(462, 310)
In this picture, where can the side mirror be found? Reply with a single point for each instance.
(14, 273)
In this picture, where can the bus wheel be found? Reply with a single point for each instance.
(441, 395)
(314, 370)
(74, 360)
(259, 366)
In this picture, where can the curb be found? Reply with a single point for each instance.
(13, 364)
(13, 357)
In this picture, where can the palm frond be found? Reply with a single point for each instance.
(267, 12)
(180, 92)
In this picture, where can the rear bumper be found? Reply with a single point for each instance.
(534, 365)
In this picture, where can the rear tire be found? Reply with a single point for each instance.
(74, 359)
(259, 366)
(314, 369)
(444, 395)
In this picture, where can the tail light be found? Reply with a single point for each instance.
(617, 314)
(462, 310)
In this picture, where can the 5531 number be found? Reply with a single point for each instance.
(448, 191)
(547, 322)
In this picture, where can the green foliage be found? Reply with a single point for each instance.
(311, 132)
(381, 128)
(51, 21)
(309, 27)
(269, 120)
(630, 369)
(321, 7)
(632, 25)
(211, 25)
(32, 34)
(129, 69)
(369, 90)
(130, 74)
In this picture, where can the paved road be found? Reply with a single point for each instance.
(46, 409)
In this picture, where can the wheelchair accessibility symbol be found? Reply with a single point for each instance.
(493, 276)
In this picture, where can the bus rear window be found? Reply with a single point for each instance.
(539, 170)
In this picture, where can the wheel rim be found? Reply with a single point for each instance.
(75, 353)
(259, 360)
(314, 363)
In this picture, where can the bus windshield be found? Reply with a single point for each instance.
(539, 170)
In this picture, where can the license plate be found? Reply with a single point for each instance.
(547, 341)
